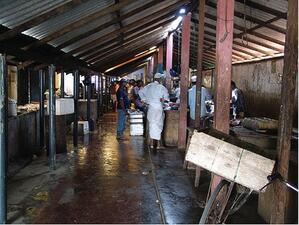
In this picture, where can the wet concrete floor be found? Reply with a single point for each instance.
(107, 181)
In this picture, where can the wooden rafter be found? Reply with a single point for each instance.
(78, 24)
(145, 20)
(109, 23)
(253, 20)
(127, 41)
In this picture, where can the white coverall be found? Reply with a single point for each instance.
(151, 94)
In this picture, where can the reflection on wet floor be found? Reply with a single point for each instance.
(106, 181)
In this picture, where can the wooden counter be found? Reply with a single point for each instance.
(171, 128)
(23, 135)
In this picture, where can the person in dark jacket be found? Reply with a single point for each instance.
(122, 106)
(238, 101)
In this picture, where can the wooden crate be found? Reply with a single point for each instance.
(229, 161)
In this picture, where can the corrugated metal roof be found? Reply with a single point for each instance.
(78, 13)
(83, 29)
(14, 13)
(87, 40)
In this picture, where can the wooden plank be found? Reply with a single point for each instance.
(40, 19)
(76, 24)
(253, 170)
(290, 72)
(229, 161)
(184, 80)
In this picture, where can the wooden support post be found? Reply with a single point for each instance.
(160, 54)
(3, 139)
(290, 71)
(200, 49)
(224, 42)
(184, 80)
(169, 49)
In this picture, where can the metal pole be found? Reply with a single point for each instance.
(3, 137)
(106, 94)
(102, 92)
(88, 97)
(76, 97)
(41, 109)
(98, 97)
(62, 84)
(52, 122)
(109, 93)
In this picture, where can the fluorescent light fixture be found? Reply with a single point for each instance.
(152, 48)
(141, 53)
(175, 23)
(182, 11)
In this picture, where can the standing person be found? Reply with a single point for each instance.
(122, 106)
(130, 87)
(154, 94)
(205, 96)
(136, 97)
(238, 101)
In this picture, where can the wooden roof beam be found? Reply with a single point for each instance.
(150, 29)
(254, 20)
(105, 25)
(264, 8)
(102, 66)
(130, 46)
(249, 31)
(140, 23)
(79, 23)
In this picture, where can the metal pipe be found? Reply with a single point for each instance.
(98, 98)
(102, 93)
(52, 121)
(88, 97)
(76, 97)
(62, 84)
(3, 139)
(41, 109)
(106, 94)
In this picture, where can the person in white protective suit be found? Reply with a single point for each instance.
(154, 94)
